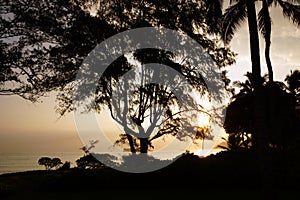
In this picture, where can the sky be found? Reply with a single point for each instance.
(28, 127)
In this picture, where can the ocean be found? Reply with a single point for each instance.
(19, 162)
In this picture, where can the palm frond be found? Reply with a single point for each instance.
(223, 147)
(291, 11)
(293, 1)
(232, 18)
(233, 1)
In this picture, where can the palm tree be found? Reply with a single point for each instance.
(234, 15)
(227, 26)
(293, 82)
(204, 133)
(289, 10)
(264, 24)
(238, 11)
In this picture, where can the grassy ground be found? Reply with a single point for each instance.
(225, 176)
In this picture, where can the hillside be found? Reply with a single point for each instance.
(225, 175)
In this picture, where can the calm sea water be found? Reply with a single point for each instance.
(18, 162)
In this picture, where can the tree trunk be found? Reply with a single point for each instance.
(144, 145)
(268, 44)
(268, 61)
(260, 120)
(259, 110)
(131, 143)
(254, 42)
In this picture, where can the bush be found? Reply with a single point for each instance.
(65, 166)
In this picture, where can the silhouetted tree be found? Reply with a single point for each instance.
(89, 162)
(293, 87)
(45, 42)
(293, 84)
(239, 117)
(290, 9)
(150, 103)
(227, 24)
(55, 162)
(234, 15)
(50, 163)
(203, 133)
(45, 161)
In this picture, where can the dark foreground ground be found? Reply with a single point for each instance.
(226, 175)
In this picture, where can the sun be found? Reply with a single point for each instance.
(203, 120)
(202, 153)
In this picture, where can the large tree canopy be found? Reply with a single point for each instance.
(43, 44)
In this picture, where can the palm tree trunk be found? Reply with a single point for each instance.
(254, 42)
(268, 61)
(268, 41)
(260, 120)
(259, 114)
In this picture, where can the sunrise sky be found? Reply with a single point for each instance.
(28, 127)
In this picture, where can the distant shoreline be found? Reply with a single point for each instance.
(20, 162)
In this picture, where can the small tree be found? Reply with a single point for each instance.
(88, 162)
(49, 163)
(55, 162)
(45, 161)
